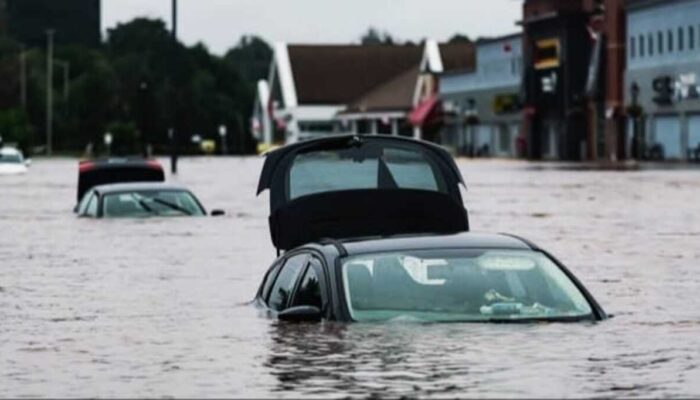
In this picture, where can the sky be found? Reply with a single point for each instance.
(220, 23)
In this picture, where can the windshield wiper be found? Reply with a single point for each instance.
(171, 205)
(145, 206)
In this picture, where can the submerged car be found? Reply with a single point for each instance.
(116, 170)
(373, 228)
(12, 161)
(132, 188)
(138, 200)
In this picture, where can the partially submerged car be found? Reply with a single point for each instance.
(138, 200)
(12, 161)
(132, 188)
(116, 170)
(373, 228)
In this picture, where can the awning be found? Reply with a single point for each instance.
(421, 112)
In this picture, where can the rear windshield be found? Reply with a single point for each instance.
(151, 203)
(459, 285)
(371, 166)
(10, 158)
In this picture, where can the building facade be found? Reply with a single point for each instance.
(482, 106)
(662, 91)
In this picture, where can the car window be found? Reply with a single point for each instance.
(373, 166)
(82, 207)
(460, 285)
(309, 292)
(151, 203)
(269, 279)
(286, 279)
(91, 210)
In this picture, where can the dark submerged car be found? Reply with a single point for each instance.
(373, 228)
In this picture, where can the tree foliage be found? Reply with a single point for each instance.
(138, 84)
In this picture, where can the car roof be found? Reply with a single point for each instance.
(9, 151)
(462, 240)
(132, 186)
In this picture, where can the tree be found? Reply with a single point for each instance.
(459, 38)
(374, 37)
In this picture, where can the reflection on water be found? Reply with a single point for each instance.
(157, 307)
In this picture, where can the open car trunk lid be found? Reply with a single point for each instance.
(351, 186)
(117, 170)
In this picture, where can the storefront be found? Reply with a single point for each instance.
(662, 79)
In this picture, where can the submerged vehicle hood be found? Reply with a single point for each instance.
(355, 185)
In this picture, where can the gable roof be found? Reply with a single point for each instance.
(393, 95)
(339, 74)
(457, 56)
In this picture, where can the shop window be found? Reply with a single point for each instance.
(641, 46)
(691, 38)
(670, 41)
(650, 40)
(681, 39)
(660, 40)
(633, 49)
(547, 53)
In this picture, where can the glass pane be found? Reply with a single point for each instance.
(268, 281)
(371, 166)
(410, 170)
(309, 293)
(151, 203)
(459, 285)
(10, 159)
(284, 284)
(92, 206)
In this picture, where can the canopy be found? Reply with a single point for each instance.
(420, 113)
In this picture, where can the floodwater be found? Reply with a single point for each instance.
(158, 307)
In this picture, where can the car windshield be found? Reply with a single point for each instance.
(460, 285)
(151, 203)
(10, 158)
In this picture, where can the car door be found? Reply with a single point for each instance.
(285, 281)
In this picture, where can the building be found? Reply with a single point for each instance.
(482, 105)
(73, 21)
(561, 79)
(324, 89)
(662, 93)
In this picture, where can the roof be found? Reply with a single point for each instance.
(464, 240)
(395, 94)
(340, 74)
(639, 4)
(133, 186)
(457, 56)
(10, 151)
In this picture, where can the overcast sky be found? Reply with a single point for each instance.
(220, 23)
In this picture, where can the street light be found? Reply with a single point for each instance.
(108, 142)
(49, 90)
(222, 133)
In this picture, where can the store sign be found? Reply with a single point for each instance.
(674, 89)
(506, 103)
(547, 53)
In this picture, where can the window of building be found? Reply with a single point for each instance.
(641, 46)
(691, 38)
(660, 40)
(633, 49)
(670, 41)
(651, 44)
(681, 39)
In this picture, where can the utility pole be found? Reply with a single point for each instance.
(174, 143)
(23, 77)
(66, 76)
(49, 90)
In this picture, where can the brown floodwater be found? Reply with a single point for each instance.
(158, 307)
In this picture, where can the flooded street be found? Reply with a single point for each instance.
(158, 307)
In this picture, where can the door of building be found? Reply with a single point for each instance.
(667, 133)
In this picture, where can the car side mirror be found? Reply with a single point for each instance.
(300, 314)
(217, 213)
(28, 162)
